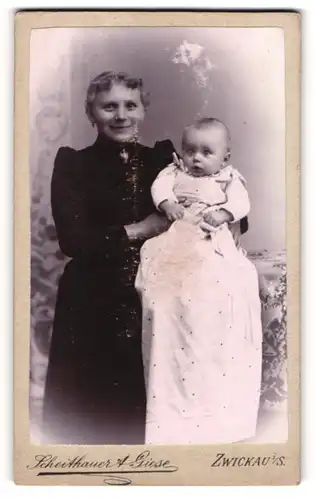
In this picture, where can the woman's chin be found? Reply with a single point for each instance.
(121, 136)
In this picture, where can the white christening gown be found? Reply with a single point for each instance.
(202, 331)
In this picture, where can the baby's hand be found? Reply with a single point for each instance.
(218, 217)
(187, 200)
(172, 210)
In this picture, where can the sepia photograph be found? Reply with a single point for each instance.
(158, 262)
(156, 326)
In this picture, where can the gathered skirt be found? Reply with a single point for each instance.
(95, 390)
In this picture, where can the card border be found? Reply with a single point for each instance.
(193, 462)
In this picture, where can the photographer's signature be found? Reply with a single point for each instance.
(114, 471)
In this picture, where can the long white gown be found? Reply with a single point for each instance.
(202, 335)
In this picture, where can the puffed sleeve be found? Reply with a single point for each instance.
(77, 236)
(163, 151)
(161, 181)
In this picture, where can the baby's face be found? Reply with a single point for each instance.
(204, 150)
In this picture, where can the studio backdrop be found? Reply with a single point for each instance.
(233, 74)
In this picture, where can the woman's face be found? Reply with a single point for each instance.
(117, 112)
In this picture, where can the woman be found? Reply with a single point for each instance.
(103, 211)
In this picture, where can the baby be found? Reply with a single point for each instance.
(203, 177)
(201, 330)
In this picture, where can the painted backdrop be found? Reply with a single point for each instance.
(234, 74)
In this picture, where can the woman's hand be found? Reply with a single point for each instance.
(207, 228)
(212, 220)
(217, 217)
(153, 225)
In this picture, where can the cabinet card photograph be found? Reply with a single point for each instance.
(156, 248)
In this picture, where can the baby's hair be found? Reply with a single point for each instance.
(104, 82)
(209, 122)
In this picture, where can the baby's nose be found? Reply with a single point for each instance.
(197, 157)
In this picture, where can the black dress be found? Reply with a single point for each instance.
(95, 387)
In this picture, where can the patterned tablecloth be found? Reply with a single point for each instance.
(47, 264)
(271, 267)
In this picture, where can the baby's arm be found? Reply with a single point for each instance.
(236, 207)
(238, 203)
(163, 195)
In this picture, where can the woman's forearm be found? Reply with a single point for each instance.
(151, 226)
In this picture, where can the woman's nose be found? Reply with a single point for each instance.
(121, 113)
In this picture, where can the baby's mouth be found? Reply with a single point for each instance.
(197, 171)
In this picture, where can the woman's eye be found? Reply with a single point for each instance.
(131, 105)
(109, 107)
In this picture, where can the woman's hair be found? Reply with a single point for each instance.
(104, 82)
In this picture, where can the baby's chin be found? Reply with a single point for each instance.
(197, 172)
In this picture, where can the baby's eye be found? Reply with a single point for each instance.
(207, 152)
(189, 152)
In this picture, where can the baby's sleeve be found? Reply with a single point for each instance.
(163, 187)
(238, 203)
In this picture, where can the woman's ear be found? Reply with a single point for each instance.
(91, 118)
(89, 113)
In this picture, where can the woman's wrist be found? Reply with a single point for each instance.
(132, 231)
(153, 225)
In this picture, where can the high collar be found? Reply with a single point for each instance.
(109, 146)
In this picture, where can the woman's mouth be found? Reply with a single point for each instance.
(121, 127)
